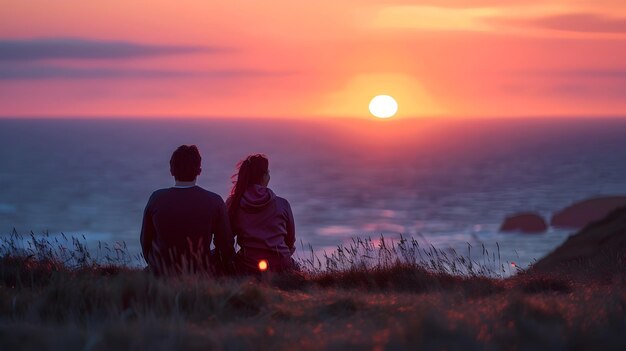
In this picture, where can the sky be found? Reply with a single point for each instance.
(304, 59)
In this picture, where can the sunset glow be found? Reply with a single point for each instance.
(422, 174)
(323, 59)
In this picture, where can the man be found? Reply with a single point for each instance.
(180, 222)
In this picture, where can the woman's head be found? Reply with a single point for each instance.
(254, 169)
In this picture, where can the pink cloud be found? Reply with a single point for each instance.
(583, 22)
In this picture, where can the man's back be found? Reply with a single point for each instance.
(178, 227)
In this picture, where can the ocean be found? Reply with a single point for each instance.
(448, 182)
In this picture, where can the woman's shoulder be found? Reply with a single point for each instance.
(282, 202)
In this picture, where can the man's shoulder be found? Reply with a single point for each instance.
(211, 195)
(197, 192)
(159, 192)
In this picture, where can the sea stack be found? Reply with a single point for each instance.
(528, 222)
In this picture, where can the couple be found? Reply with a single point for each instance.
(180, 222)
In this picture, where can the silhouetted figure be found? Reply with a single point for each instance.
(262, 221)
(180, 222)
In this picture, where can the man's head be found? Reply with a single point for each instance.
(185, 163)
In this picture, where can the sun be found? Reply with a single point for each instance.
(383, 106)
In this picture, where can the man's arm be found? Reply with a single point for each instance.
(224, 240)
(148, 232)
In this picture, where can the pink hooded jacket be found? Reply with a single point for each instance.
(264, 227)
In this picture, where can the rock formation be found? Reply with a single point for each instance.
(596, 252)
(524, 222)
(579, 214)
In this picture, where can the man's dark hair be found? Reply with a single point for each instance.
(185, 163)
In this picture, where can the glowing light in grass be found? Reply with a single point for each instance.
(263, 265)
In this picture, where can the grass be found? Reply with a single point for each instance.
(371, 294)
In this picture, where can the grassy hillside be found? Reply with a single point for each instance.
(368, 295)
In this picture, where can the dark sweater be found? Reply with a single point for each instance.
(178, 227)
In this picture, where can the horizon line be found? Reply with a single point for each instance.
(308, 117)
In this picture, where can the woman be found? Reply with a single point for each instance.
(262, 221)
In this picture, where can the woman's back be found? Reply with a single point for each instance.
(264, 223)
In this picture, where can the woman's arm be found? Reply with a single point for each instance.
(290, 240)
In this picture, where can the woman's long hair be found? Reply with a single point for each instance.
(250, 171)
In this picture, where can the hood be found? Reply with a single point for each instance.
(256, 198)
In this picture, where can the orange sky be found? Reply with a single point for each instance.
(286, 58)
